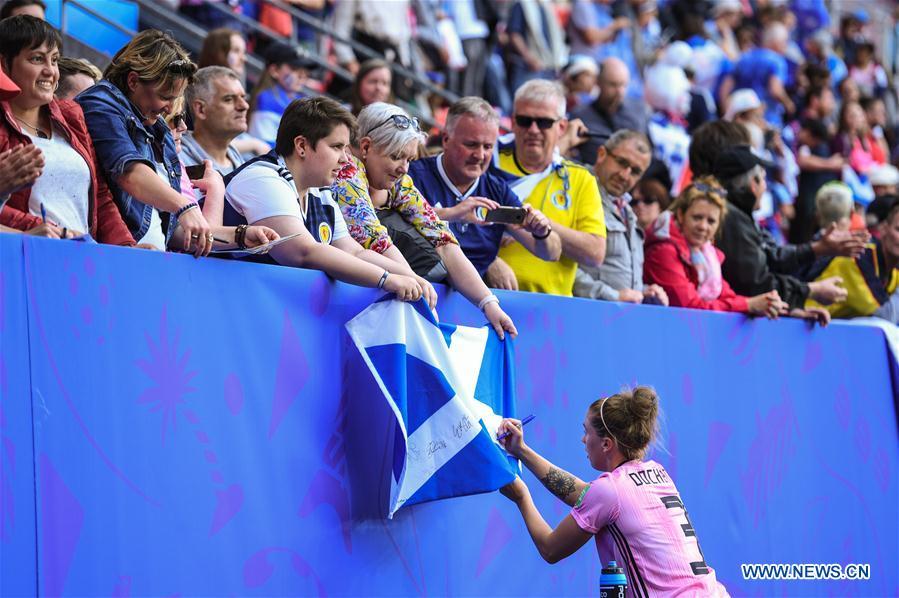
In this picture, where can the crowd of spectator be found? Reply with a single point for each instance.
(731, 155)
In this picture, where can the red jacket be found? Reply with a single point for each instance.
(666, 262)
(106, 224)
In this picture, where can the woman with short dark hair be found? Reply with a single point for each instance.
(70, 197)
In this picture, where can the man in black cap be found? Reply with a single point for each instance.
(755, 263)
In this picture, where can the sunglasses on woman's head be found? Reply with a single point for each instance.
(543, 123)
(179, 66)
(401, 121)
(703, 188)
(647, 201)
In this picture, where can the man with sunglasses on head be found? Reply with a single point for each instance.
(564, 191)
(619, 165)
(461, 188)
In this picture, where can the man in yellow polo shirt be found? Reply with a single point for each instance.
(564, 191)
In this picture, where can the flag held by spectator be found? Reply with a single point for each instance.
(449, 387)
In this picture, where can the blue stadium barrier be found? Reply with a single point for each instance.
(181, 427)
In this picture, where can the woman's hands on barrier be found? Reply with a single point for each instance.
(404, 287)
(259, 235)
(500, 321)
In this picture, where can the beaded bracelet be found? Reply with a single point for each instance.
(240, 234)
(487, 301)
(186, 208)
(383, 279)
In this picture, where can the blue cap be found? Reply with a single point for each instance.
(860, 15)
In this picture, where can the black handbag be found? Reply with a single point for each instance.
(418, 251)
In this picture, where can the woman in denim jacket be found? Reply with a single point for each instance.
(124, 114)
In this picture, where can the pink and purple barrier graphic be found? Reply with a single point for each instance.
(174, 427)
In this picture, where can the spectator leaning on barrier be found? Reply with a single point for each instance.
(756, 264)
(681, 255)
(871, 279)
(611, 111)
(70, 197)
(75, 75)
(286, 190)
(387, 142)
(124, 114)
(564, 191)
(460, 186)
(211, 188)
(217, 101)
(621, 162)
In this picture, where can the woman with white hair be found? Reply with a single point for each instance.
(871, 280)
(384, 211)
(834, 204)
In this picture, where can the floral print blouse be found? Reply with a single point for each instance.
(351, 192)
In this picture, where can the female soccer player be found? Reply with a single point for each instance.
(633, 509)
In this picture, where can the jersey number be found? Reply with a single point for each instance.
(674, 502)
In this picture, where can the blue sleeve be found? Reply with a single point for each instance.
(109, 131)
(515, 22)
(506, 196)
(267, 102)
(780, 69)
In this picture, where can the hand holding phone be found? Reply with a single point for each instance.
(505, 215)
(195, 171)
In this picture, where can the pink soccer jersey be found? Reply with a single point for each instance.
(639, 520)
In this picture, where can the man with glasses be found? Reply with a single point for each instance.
(218, 103)
(460, 187)
(619, 165)
(564, 191)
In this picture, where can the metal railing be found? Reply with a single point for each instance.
(339, 71)
(325, 29)
(191, 36)
(64, 18)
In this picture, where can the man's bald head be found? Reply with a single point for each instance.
(613, 81)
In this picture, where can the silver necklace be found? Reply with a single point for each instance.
(40, 132)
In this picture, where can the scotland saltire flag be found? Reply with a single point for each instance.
(449, 387)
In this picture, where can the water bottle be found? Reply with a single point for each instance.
(612, 581)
